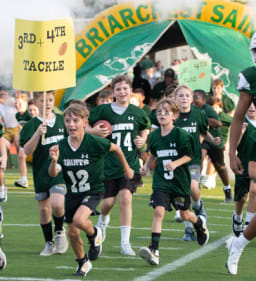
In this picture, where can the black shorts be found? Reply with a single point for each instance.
(242, 186)
(112, 187)
(217, 156)
(164, 199)
(72, 203)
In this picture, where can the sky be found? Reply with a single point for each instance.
(25, 9)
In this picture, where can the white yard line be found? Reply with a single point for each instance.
(154, 274)
(36, 279)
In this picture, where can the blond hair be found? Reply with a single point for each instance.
(182, 87)
(168, 104)
(77, 108)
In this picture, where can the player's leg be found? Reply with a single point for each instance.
(84, 264)
(57, 205)
(251, 206)
(46, 223)
(22, 181)
(3, 260)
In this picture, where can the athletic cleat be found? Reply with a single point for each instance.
(84, 266)
(21, 183)
(245, 225)
(237, 226)
(228, 195)
(49, 249)
(95, 248)
(177, 217)
(3, 260)
(202, 233)
(149, 255)
(207, 182)
(233, 255)
(189, 234)
(3, 194)
(127, 250)
(103, 226)
(61, 242)
(201, 211)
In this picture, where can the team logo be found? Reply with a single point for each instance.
(130, 118)
(172, 144)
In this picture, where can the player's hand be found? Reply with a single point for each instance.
(245, 124)
(139, 141)
(42, 129)
(101, 131)
(216, 141)
(143, 170)
(235, 164)
(54, 152)
(170, 166)
(129, 173)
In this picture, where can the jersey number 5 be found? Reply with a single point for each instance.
(169, 174)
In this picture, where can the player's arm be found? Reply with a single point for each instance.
(214, 140)
(128, 172)
(53, 169)
(31, 145)
(244, 102)
(214, 123)
(172, 165)
(252, 169)
(143, 170)
(3, 154)
(141, 139)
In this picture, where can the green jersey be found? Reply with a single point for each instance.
(195, 122)
(226, 122)
(245, 144)
(170, 148)
(1, 130)
(83, 168)
(41, 160)
(125, 128)
(23, 118)
(247, 82)
(158, 90)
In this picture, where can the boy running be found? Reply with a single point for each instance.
(172, 147)
(130, 127)
(48, 191)
(81, 159)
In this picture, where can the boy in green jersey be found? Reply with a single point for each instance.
(3, 192)
(195, 122)
(172, 147)
(81, 159)
(130, 127)
(48, 191)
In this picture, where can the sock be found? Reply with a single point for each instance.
(242, 242)
(23, 178)
(47, 231)
(249, 216)
(91, 238)
(125, 234)
(196, 204)
(58, 223)
(188, 224)
(238, 218)
(225, 187)
(103, 219)
(155, 238)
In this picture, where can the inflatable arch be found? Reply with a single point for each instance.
(120, 36)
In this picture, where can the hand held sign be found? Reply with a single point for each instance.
(44, 57)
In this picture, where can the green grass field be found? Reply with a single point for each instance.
(179, 261)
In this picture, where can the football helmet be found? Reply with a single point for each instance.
(253, 47)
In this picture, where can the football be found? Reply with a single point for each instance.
(104, 124)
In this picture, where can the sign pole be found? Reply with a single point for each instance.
(44, 109)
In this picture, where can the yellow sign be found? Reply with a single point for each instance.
(44, 55)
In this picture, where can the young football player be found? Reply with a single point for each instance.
(3, 193)
(48, 191)
(81, 159)
(195, 122)
(130, 128)
(172, 147)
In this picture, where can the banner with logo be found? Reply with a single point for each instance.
(44, 55)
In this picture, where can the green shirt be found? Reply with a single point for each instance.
(125, 128)
(1, 130)
(41, 160)
(158, 90)
(23, 118)
(226, 122)
(83, 168)
(170, 148)
(195, 123)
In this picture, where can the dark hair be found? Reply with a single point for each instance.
(139, 90)
(202, 93)
(214, 100)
